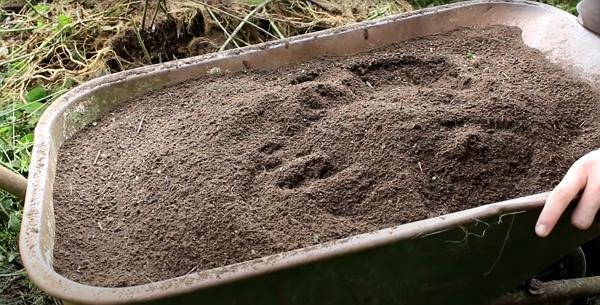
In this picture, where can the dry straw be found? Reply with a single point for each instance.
(64, 43)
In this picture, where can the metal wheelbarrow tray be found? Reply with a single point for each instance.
(407, 264)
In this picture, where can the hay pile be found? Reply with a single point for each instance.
(59, 45)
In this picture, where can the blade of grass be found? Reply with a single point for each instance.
(272, 24)
(141, 42)
(212, 15)
(239, 27)
(155, 14)
(144, 12)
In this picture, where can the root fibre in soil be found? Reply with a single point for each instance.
(235, 167)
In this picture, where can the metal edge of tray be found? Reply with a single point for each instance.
(69, 113)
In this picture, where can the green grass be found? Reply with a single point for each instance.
(42, 55)
(17, 121)
(28, 84)
(18, 118)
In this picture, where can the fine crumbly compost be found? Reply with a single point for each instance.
(228, 168)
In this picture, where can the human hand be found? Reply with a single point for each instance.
(584, 175)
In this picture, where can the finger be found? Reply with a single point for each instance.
(588, 205)
(560, 197)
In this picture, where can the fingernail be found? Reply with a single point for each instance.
(541, 229)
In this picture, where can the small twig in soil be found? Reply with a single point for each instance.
(193, 269)
(239, 27)
(96, 160)
(140, 125)
(512, 220)
(421, 167)
(296, 221)
(100, 226)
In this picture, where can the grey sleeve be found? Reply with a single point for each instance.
(589, 14)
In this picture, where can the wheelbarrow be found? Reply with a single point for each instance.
(414, 263)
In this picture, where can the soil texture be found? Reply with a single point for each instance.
(228, 168)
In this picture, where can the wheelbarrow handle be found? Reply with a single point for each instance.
(13, 183)
(554, 292)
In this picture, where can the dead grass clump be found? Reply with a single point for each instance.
(190, 27)
(287, 18)
(53, 47)
(50, 48)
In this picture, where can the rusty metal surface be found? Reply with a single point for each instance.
(423, 262)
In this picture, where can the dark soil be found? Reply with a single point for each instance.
(235, 167)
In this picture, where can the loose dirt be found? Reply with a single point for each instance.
(229, 168)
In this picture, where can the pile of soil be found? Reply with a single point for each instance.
(228, 168)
